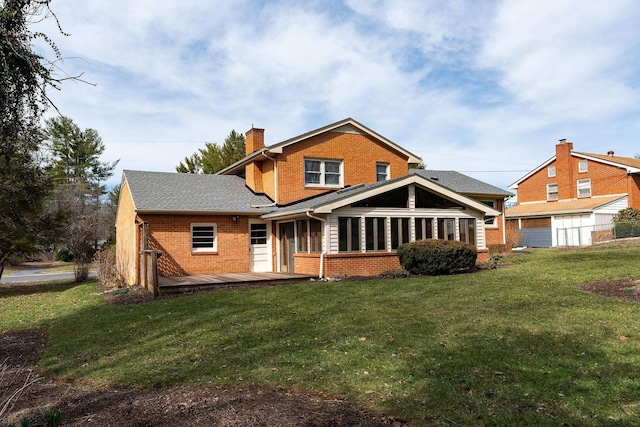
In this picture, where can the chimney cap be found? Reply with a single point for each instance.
(610, 153)
(562, 140)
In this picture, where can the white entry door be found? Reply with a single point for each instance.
(259, 247)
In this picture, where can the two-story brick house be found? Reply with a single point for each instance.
(570, 199)
(335, 201)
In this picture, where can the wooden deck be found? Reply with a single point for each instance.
(219, 281)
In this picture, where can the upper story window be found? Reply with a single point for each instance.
(382, 171)
(204, 238)
(583, 166)
(551, 171)
(584, 188)
(327, 173)
(552, 192)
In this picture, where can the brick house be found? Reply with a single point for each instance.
(335, 201)
(570, 199)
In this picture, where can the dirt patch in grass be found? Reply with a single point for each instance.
(162, 406)
(627, 288)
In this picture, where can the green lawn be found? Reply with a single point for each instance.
(519, 345)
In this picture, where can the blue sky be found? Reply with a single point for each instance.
(485, 88)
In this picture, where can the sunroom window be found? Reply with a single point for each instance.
(348, 234)
(375, 234)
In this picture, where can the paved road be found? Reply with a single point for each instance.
(33, 275)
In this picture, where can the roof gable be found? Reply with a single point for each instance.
(630, 164)
(334, 200)
(347, 125)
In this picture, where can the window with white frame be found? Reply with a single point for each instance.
(490, 220)
(323, 173)
(382, 171)
(584, 188)
(551, 171)
(552, 192)
(583, 166)
(204, 238)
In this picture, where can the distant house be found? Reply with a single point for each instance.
(570, 199)
(335, 201)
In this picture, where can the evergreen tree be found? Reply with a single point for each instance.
(213, 158)
(78, 176)
(25, 77)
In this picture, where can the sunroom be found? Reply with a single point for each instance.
(356, 231)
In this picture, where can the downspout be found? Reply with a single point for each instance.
(275, 176)
(322, 253)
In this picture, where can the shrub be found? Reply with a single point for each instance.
(626, 229)
(108, 273)
(435, 257)
(63, 255)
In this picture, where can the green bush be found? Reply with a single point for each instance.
(63, 255)
(436, 257)
(626, 229)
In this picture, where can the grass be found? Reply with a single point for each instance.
(514, 346)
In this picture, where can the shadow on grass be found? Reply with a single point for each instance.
(30, 288)
(355, 341)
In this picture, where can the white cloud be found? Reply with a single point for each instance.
(467, 85)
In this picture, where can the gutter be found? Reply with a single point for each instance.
(323, 252)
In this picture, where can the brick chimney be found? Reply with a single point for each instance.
(253, 170)
(564, 170)
(254, 140)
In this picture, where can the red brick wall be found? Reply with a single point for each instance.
(605, 179)
(633, 183)
(307, 264)
(359, 154)
(493, 235)
(171, 234)
(369, 264)
(359, 264)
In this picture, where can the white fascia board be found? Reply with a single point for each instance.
(410, 179)
(629, 169)
(514, 186)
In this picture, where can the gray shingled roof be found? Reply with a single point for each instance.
(185, 192)
(331, 197)
(461, 183)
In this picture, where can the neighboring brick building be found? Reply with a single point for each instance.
(570, 199)
(332, 202)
